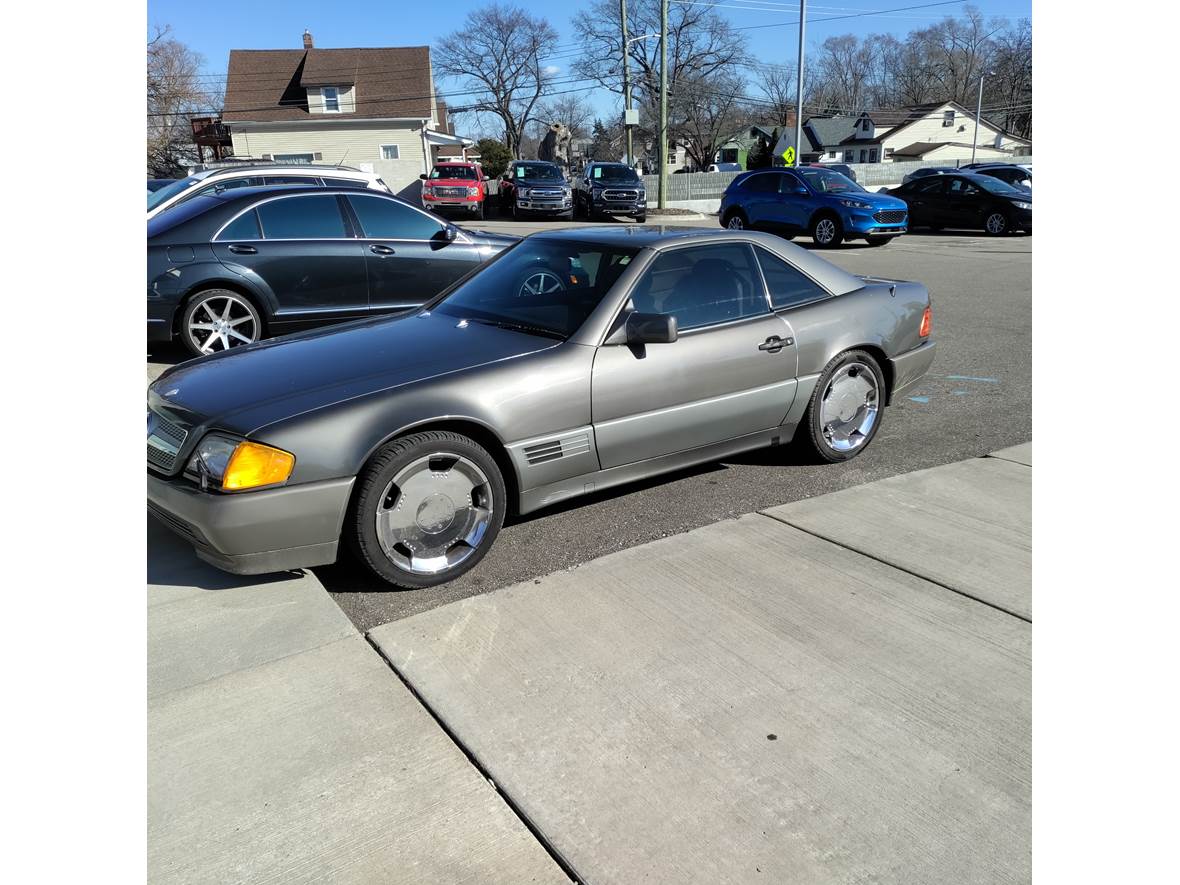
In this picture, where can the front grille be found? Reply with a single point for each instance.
(621, 195)
(450, 191)
(164, 439)
(890, 216)
(545, 193)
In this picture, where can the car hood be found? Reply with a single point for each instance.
(878, 200)
(244, 389)
(539, 182)
(452, 182)
(488, 238)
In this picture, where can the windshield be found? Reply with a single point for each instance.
(995, 186)
(541, 171)
(453, 172)
(545, 288)
(166, 193)
(614, 174)
(828, 182)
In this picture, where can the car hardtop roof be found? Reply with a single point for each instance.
(239, 194)
(456, 162)
(272, 168)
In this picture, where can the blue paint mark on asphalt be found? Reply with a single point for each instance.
(920, 399)
(959, 392)
(973, 378)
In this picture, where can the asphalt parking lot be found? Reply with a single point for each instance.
(977, 399)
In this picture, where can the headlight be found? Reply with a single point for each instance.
(856, 204)
(596, 191)
(234, 465)
(473, 191)
(1020, 205)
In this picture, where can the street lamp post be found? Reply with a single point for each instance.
(627, 41)
(978, 110)
(799, 87)
(663, 201)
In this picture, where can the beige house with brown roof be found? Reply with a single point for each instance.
(371, 108)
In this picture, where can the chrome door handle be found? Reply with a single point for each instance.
(378, 249)
(774, 344)
(239, 249)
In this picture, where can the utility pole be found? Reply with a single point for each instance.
(978, 109)
(626, 86)
(799, 87)
(663, 202)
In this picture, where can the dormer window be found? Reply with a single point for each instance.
(331, 99)
(864, 125)
(948, 118)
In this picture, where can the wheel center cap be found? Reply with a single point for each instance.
(435, 513)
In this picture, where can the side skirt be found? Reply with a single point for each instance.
(543, 496)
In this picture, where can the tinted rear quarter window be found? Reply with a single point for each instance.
(346, 182)
(316, 216)
(788, 286)
(244, 227)
(390, 220)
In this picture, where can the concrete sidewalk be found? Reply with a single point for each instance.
(281, 748)
(837, 690)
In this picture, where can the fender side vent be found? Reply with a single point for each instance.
(552, 449)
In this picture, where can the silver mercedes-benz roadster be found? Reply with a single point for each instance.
(575, 360)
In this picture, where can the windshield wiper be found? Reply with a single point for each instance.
(522, 327)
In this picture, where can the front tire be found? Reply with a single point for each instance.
(827, 231)
(844, 412)
(996, 224)
(427, 509)
(217, 320)
(736, 220)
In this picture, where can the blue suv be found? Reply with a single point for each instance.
(812, 200)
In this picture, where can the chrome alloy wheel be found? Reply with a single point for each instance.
(848, 410)
(543, 282)
(735, 223)
(825, 231)
(221, 322)
(996, 223)
(434, 513)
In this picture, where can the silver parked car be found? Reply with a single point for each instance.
(573, 361)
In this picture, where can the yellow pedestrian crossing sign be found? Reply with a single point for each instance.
(789, 156)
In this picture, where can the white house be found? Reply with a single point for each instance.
(371, 108)
(937, 132)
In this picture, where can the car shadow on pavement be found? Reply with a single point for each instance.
(171, 562)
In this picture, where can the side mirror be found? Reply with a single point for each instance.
(423, 176)
(650, 328)
(450, 232)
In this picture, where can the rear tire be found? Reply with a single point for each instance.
(409, 521)
(641, 219)
(736, 220)
(845, 409)
(219, 319)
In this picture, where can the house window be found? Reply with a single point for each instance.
(948, 118)
(864, 125)
(864, 155)
(872, 155)
(848, 157)
(294, 158)
(390, 152)
(888, 153)
(831, 155)
(331, 99)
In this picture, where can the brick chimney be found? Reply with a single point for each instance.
(307, 44)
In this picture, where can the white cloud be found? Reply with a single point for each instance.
(551, 69)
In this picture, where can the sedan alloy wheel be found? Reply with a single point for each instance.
(849, 406)
(219, 320)
(996, 224)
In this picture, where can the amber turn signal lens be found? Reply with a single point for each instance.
(254, 464)
(924, 329)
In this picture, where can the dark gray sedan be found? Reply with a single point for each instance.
(574, 361)
(228, 269)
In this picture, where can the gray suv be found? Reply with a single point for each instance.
(610, 189)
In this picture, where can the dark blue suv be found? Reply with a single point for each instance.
(812, 200)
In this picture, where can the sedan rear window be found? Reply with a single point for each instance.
(312, 217)
(787, 285)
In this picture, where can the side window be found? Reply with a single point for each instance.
(789, 184)
(702, 286)
(962, 188)
(218, 187)
(292, 179)
(787, 285)
(932, 184)
(313, 217)
(386, 219)
(766, 183)
(244, 227)
(346, 182)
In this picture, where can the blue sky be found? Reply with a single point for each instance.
(213, 27)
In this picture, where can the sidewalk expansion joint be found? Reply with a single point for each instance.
(899, 568)
(542, 839)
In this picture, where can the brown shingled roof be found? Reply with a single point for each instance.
(268, 85)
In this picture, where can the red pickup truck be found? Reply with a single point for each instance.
(456, 187)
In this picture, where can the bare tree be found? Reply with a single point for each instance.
(712, 111)
(572, 110)
(955, 52)
(776, 83)
(174, 93)
(498, 51)
(1008, 93)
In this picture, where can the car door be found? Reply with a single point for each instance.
(963, 203)
(301, 248)
(731, 371)
(408, 257)
(924, 198)
(793, 203)
(757, 197)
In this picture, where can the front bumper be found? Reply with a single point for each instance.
(861, 223)
(910, 368)
(546, 207)
(619, 207)
(253, 533)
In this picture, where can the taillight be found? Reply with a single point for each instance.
(924, 329)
